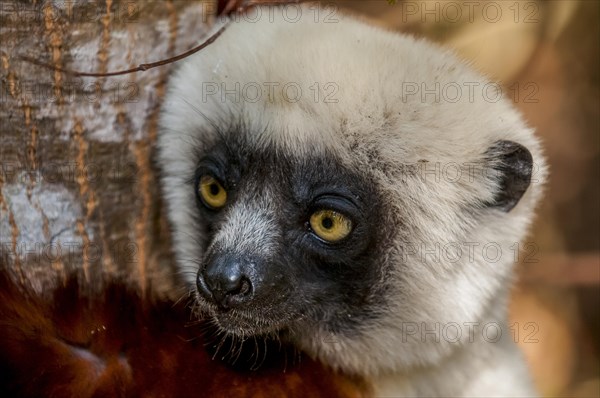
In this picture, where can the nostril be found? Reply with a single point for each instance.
(240, 295)
(203, 288)
(235, 289)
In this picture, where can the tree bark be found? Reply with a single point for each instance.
(78, 187)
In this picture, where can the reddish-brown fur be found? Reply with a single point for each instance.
(112, 343)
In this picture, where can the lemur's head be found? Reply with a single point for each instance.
(338, 182)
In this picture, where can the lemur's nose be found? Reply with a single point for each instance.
(224, 282)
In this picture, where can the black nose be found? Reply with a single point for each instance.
(224, 282)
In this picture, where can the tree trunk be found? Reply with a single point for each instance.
(78, 187)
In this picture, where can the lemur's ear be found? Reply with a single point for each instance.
(511, 165)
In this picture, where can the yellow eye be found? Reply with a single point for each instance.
(330, 225)
(211, 192)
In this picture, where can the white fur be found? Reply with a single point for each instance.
(370, 67)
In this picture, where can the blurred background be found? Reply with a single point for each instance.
(546, 56)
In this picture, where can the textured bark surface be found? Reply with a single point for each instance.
(78, 187)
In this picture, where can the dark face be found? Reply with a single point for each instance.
(287, 240)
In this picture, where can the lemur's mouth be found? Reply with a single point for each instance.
(237, 302)
(245, 322)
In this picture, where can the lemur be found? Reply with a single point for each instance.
(325, 188)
